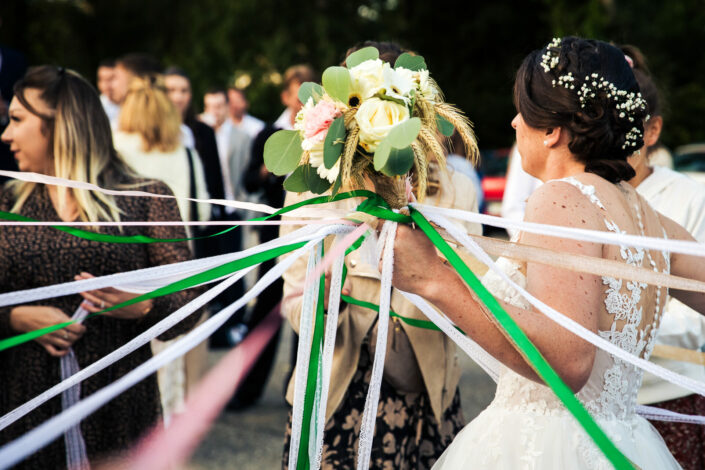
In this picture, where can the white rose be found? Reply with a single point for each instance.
(376, 118)
(367, 78)
(315, 158)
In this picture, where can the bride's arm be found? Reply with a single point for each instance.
(691, 267)
(577, 295)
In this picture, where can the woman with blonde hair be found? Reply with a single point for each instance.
(58, 128)
(149, 139)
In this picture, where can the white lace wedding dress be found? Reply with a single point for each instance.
(527, 427)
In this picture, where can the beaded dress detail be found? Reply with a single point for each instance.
(527, 427)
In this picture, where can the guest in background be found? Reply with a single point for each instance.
(127, 67)
(149, 139)
(520, 185)
(59, 128)
(104, 82)
(233, 143)
(237, 111)
(293, 78)
(683, 200)
(458, 161)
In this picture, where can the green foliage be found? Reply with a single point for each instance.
(296, 182)
(333, 144)
(444, 127)
(282, 152)
(315, 183)
(336, 81)
(358, 57)
(310, 90)
(400, 137)
(411, 62)
(399, 161)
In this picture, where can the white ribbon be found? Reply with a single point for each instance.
(17, 450)
(369, 415)
(336, 285)
(308, 309)
(568, 323)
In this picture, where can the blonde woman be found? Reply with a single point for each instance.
(58, 127)
(149, 139)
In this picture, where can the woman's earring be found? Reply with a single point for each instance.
(545, 143)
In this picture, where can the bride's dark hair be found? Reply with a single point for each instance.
(598, 130)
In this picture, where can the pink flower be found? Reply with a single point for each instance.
(318, 119)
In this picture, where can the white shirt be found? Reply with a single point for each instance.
(111, 109)
(251, 125)
(520, 185)
(463, 166)
(284, 121)
(683, 200)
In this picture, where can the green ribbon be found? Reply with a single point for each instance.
(107, 238)
(186, 283)
(526, 347)
(313, 381)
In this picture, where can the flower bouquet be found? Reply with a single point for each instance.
(368, 121)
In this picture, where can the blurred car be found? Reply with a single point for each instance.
(493, 168)
(690, 159)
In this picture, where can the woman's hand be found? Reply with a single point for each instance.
(417, 266)
(101, 299)
(33, 317)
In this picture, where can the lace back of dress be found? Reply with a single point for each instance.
(633, 309)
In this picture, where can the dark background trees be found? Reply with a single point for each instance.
(472, 48)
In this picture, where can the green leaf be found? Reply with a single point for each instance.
(336, 186)
(333, 145)
(403, 134)
(282, 152)
(411, 62)
(296, 182)
(336, 81)
(358, 57)
(444, 126)
(382, 154)
(315, 183)
(399, 162)
(310, 90)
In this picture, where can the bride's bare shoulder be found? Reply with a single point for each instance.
(562, 203)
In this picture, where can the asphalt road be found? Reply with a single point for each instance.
(253, 439)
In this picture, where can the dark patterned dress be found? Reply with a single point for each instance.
(685, 441)
(407, 435)
(41, 256)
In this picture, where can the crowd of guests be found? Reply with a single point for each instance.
(141, 129)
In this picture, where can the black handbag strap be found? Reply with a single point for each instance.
(193, 208)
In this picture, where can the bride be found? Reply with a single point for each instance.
(580, 115)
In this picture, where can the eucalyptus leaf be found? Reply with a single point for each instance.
(399, 162)
(310, 90)
(358, 57)
(411, 62)
(315, 183)
(404, 133)
(296, 182)
(444, 126)
(382, 154)
(336, 81)
(336, 186)
(282, 152)
(335, 140)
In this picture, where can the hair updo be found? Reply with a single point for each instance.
(600, 133)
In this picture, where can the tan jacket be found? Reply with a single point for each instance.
(434, 352)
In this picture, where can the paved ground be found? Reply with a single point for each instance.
(252, 439)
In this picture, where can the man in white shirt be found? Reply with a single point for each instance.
(237, 111)
(233, 143)
(294, 77)
(104, 81)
